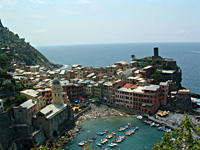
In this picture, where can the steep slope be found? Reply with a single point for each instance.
(14, 48)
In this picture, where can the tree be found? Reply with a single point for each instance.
(157, 76)
(133, 57)
(185, 138)
(3, 62)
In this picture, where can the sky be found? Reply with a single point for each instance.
(68, 22)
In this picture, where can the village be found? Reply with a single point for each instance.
(56, 99)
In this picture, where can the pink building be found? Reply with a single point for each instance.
(146, 99)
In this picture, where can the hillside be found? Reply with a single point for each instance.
(15, 49)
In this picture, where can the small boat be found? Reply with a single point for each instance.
(132, 131)
(109, 136)
(82, 143)
(92, 139)
(115, 144)
(120, 114)
(98, 144)
(118, 140)
(128, 124)
(162, 128)
(113, 133)
(121, 137)
(111, 145)
(152, 124)
(103, 141)
(135, 127)
(106, 130)
(121, 129)
(128, 133)
(101, 133)
(139, 117)
(148, 122)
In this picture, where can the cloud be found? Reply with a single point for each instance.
(84, 2)
(8, 4)
(38, 1)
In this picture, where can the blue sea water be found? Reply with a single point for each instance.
(142, 139)
(187, 56)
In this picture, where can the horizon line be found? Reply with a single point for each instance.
(110, 43)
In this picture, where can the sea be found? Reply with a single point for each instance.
(187, 56)
(142, 139)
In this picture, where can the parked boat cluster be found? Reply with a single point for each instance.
(127, 129)
(159, 127)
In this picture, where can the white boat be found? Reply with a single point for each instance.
(115, 144)
(152, 124)
(139, 117)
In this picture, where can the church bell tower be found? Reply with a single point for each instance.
(56, 92)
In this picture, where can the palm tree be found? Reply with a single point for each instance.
(133, 57)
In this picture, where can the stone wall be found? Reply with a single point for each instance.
(80, 113)
(7, 133)
(183, 102)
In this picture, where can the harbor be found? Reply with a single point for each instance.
(102, 123)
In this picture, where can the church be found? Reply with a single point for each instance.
(56, 117)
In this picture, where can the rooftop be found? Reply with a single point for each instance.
(30, 92)
(147, 67)
(108, 84)
(28, 104)
(152, 87)
(121, 62)
(52, 109)
(167, 71)
(184, 91)
(130, 86)
(163, 83)
(100, 75)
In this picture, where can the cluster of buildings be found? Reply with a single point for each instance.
(122, 84)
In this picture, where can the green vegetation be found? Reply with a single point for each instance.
(185, 138)
(12, 47)
(19, 99)
(149, 62)
(153, 62)
(157, 76)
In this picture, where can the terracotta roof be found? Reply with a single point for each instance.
(100, 75)
(130, 86)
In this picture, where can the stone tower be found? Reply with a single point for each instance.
(56, 92)
(155, 52)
